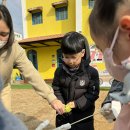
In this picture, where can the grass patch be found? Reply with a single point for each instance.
(28, 86)
(104, 88)
(21, 86)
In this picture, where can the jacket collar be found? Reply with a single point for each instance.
(82, 68)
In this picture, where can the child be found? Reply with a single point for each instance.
(110, 29)
(76, 83)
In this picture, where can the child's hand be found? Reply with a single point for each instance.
(124, 95)
(106, 111)
(71, 104)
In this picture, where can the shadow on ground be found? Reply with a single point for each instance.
(32, 122)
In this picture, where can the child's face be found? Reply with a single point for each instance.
(73, 60)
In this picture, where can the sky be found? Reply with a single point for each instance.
(14, 6)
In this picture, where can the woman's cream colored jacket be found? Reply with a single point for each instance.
(16, 55)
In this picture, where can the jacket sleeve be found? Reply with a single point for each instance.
(56, 86)
(31, 74)
(116, 86)
(92, 93)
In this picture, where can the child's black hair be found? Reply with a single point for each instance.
(102, 19)
(74, 42)
(107, 10)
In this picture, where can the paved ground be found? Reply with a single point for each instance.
(32, 109)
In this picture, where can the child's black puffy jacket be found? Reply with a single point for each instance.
(81, 87)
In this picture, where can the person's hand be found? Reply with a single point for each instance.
(124, 95)
(71, 104)
(106, 111)
(58, 106)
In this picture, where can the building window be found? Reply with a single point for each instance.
(61, 13)
(91, 3)
(32, 56)
(36, 18)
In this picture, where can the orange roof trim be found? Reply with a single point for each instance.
(60, 3)
(41, 38)
(35, 9)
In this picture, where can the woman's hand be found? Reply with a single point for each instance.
(58, 106)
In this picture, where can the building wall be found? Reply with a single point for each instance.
(46, 57)
(17, 36)
(50, 26)
(85, 25)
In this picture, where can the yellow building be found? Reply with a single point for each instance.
(45, 22)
